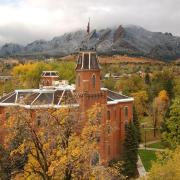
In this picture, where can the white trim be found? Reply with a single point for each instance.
(38, 106)
(120, 100)
(104, 89)
(7, 104)
(82, 61)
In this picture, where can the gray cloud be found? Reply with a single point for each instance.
(48, 18)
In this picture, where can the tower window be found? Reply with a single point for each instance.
(80, 59)
(94, 81)
(86, 61)
(94, 63)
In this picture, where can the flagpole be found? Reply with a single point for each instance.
(89, 25)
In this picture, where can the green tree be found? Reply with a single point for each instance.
(137, 124)
(130, 151)
(177, 86)
(166, 167)
(147, 78)
(131, 84)
(172, 134)
(109, 83)
(162, 81)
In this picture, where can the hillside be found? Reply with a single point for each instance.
(130, 40)
(103, 59)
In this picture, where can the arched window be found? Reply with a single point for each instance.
(94, 81)
(108, 115)
(95, 159)
(38, 120)
(126, 111)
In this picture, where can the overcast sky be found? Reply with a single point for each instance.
(23, 21)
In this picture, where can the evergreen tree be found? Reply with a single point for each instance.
(147, 78)
(172, 134)
(130, 151)
(137, 125)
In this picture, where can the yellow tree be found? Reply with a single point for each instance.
(141, 99)
(166, 166)
(160, 106)
(58, 144)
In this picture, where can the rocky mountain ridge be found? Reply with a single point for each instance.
(131, 40)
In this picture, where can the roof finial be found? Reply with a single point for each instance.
(88, 27)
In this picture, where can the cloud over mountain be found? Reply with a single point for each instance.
(22, 21)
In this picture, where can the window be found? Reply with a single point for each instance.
(80, 59)
(120, 115)
(108, 129)
(108, 115)
(98, 138)
(53, 74)
(126, 111)
(86, 61)
(125, 125)
(95, 159)
(7, 115)
(38, 120)
(109, 150)
(94, 81)
(78, 80)
(99, 117)
(94, 63)
(48, 74)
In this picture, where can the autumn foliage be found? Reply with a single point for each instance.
(55, 143)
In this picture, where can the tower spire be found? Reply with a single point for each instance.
(88, 26)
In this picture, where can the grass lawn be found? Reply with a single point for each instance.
(147, 157)
(158, 145)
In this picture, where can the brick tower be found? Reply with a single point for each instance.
(88, 82)
(88, 73)
(88, 89)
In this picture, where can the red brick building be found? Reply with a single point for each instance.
(86, 92)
